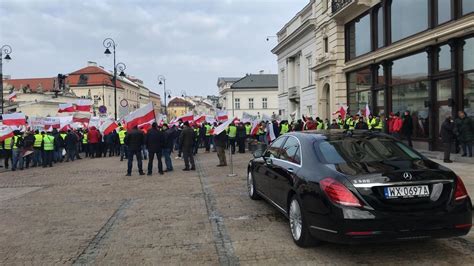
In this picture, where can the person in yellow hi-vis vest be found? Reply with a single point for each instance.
(48, 150)
(208, 136)
(232, 134)
(123, 148)
(37, 148)
(7, 147)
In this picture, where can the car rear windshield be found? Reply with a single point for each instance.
(360, 150)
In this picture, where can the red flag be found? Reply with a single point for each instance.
(84, 105)
(83, 118)
(66, 108)
(12, 96)
(15, 119)
(140, 116)
(199, 119)
(255, 127)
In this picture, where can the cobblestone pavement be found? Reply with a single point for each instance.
(88, 212)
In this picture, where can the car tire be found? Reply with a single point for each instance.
(251, 188)
(299, 228)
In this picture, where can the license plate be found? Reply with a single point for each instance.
(407, 192)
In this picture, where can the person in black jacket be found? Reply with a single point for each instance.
(186, 141)
(407, 127)
(71, 143)
(134, 141)
(241, 135)
(154, 142)
(447, 137)
(170, 135)
(220, 142)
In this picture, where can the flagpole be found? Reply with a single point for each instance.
(232, 174)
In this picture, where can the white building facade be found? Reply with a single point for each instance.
(255, 94)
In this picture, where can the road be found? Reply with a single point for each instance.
(89, 212)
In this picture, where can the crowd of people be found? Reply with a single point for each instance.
(46, 148)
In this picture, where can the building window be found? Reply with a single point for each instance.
(410, 69)
(360, 85)
(468, 58)
(264, 103)
(250, 103)
(444, 58)
(444, 11)
(237, 103)
(359, 36)
(467, 6)
(326, 45)
(309, 60)
(410, 90)
(408, 17)
(380, 28)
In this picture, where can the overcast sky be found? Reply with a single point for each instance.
(191, 42)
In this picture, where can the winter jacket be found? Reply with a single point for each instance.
(447, 131)
(154, 140)
(186, 139)
(135, 140)
(407, 126)
(71, 140)
(93, 136)
(465, 128)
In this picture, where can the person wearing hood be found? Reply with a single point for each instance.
(93, 138)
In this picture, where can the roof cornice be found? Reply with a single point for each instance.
(307, 26)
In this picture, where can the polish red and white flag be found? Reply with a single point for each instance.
(81, 117)
(255, 127)
(270, 132)
(221, 127)
(6, 132)
(12, 96)
(140, 116)
(199, 119)
(83, 105)
(66, 108)
(51, 122)
(222, 115)
(15, 119)
(188, 117)
(108, 126)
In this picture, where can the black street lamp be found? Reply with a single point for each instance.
(5, 49)
(184, 95)
(110, 43)
(162, 81)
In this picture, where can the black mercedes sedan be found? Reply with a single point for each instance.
(358, 187)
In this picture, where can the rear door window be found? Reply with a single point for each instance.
(275, 148)
(290, 151)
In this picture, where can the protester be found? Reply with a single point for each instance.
(37, 148)
(447, 137)
(93, 138)
(232, 135)
(28, 150)
(407, 127)
(16, 147)
(241, 136)
(154, 142)
(220, 141)
(135, 141)
(186, 140)
(48, 149)
(170, 135)
(465, 129)
(71, 144)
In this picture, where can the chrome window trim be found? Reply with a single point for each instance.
(299, 150)
(404, 183)
(323, 229)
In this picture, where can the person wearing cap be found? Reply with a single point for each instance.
(186, 141)
(154, 141)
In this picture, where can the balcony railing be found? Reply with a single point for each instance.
(337, 5)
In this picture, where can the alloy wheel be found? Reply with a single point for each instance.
(295, 220)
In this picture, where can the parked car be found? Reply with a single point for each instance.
(358, 187)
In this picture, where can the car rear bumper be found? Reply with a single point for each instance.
(390, 228)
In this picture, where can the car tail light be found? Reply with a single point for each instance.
(460, 192)
(463, 226)
(338, 193)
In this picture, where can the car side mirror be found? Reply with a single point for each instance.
(258, 153)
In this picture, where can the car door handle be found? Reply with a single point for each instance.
(290, 170)
(268, 161)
